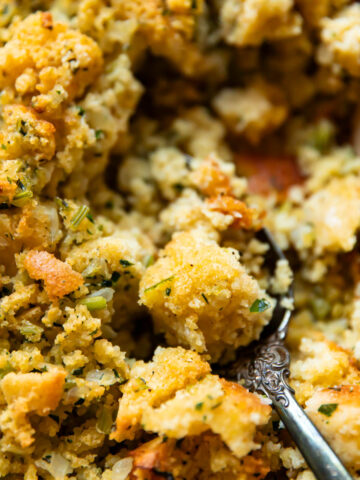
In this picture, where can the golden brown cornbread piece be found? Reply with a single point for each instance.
(195, 458)
(253, 111)
(59, 278)
(26, 135)
(47, 60)
(340, 422)
(250, 22)
(153, 383)
(335, 213)
(29, 393)
(212, 403)
(200, 295)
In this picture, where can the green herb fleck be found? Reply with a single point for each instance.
(61, 203)
(199, 406)
(167, 291)
(142, 384)
(31, 332)
(78, 371)
(80, 110)
(159, 283)
(216, 405)
(125, 263)
(90, 217)
(178, 187)
(21, 197)
(115, 277)
(149, 260)
(3, 146)
(260, 305)
(94, 303)
(22, 128)
(99, 134)
(204, 297)
(79, 216)
(328, 409)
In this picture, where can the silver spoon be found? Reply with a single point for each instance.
(263, 367)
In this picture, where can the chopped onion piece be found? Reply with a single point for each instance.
(102, 377)
(55, 464)
(105, 292)
(122, 469)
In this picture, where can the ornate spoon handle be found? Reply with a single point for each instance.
(322, 460)
(267, 372)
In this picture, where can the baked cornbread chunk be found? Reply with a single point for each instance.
(174, 395)
(250, 22)
(334, 212)
(142, 145)
(26, 136)
(29, 393)
(340, 40)
(48, 62)
(59, 278)
(268, 109)
(213, 459)
(335, 411)
(169, 28)
(153, 383)
(215, 404)
(193, 287)
(338, 366)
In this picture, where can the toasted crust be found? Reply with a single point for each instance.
(341, 426)
(194, 458)
(59, 278)
(7, 190)
(26, 135)
(211, 180)
(224, 407)
(152, 383)
(208, 304)
(34, 392)
(243, 215)
(29, 393)
(43, 56)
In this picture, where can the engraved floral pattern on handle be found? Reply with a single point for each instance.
(268, 371)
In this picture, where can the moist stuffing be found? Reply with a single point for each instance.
(143, 144)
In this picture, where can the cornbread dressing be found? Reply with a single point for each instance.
(143, 143)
